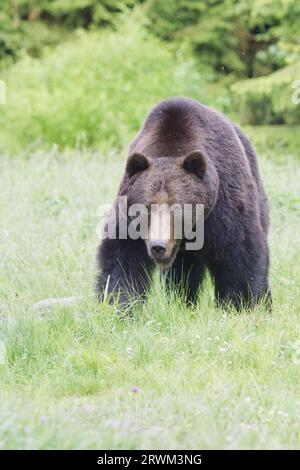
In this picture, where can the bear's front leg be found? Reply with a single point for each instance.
(125, 271)
(241, 279)
(186, 275)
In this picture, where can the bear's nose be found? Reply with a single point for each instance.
(158, 249)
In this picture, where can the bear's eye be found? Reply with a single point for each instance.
(136, 163)
(195, 163)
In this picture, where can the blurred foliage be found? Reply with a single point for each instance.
(244, 37)
(94, 89)
(247, 52)
(277, 142)
(274, 99)
(22, 30)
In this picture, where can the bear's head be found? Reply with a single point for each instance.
(169, 189)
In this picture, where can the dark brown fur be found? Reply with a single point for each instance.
(226, 181)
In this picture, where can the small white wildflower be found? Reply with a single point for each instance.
(247, 426)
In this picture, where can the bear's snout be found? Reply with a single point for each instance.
(161, 244)
(163, 252)
(158, 249)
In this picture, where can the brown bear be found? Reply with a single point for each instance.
(188, 153)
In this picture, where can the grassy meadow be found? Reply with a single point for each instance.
(79, 79)
(169, 377)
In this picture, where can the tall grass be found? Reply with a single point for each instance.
(205, 378)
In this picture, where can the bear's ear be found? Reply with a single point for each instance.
(136, 163)
(196, 163)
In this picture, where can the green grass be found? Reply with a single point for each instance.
(206, 378)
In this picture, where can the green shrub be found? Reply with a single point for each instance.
(269, 99)
(94, 90)
(280, 141)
